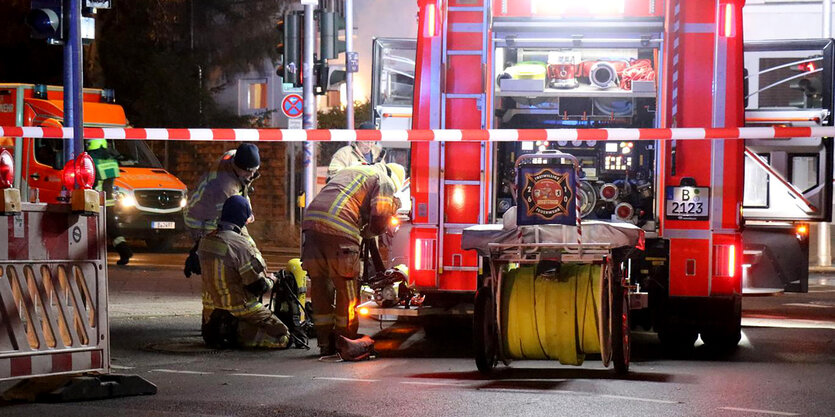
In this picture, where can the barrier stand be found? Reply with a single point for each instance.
(54, 333)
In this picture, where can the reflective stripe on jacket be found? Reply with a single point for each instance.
(230, 261)
(346, 203)
(206, 201)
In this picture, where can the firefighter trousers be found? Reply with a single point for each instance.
(333, 264)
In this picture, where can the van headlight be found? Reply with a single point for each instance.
(124, 198)
(183, 202)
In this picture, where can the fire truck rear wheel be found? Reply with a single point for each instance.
(484, 332)
(726, 338)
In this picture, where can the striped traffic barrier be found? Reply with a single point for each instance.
(490, 135)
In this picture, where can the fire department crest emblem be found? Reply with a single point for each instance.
(547, 194)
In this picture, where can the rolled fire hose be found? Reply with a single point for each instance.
(551, 316)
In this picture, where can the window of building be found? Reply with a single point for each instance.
(253, 96)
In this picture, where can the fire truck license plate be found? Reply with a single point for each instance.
(688, 203)
(162, 225)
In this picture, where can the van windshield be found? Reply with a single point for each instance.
(133, 153)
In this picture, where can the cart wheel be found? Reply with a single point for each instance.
(621, 338)
(484, 331)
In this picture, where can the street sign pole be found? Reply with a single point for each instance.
(349, 76)
(309, 118)
(73, 75)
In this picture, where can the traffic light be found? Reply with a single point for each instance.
(46, 19)
(289, 48)
(330, 23)
(321, 70)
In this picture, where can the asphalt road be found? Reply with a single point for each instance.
(785, 365)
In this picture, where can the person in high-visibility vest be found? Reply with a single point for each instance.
(107, 170)
(231, 175)
(357, 203)
(234, 278)
(357, 153)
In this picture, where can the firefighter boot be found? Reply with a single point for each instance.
(124, 253)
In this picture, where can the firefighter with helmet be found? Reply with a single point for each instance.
(107, 170)
(357, 203)
(231, 175)
(234, 278)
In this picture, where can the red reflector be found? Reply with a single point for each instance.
(6, 169)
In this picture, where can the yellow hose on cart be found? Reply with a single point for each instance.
(552, 315)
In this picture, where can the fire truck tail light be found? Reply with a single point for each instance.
(6, 169)
(423, 254)
(728, 28)
(724, 260)
(432, 23)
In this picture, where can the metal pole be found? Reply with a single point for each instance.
(76, 94)
(349, 76)
(309, 117)
(291, 153)
(824, 231)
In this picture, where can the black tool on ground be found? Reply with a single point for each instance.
(382, 281)
(285, 304)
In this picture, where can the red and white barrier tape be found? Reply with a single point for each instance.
(452, 135)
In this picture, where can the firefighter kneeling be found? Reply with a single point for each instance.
(234, 278)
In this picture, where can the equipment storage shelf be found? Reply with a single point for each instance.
(580, 91)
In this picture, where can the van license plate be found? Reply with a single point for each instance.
(162, 225)
(688, 203)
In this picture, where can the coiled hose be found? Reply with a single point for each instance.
(551, 315)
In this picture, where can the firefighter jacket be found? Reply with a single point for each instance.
(350, 201)
(348, 156)
(206, 201)
(232, 266)
(106, 165)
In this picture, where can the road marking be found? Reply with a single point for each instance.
(753, 410)
(589, 394)
(807, 305)
(787, 323)
(439, 384)
(175, 371)
(333, 378)
(649, 400)
(121, 367)
(265, 375)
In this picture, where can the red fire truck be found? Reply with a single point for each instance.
(631, 64)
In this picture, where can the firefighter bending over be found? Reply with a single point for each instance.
(231, 175)
(107, 170)
(357, 203)
(234, 278)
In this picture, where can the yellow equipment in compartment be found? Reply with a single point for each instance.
(552, 315)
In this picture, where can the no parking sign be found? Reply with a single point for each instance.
(292, 106)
